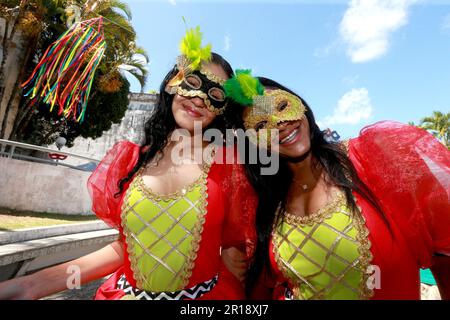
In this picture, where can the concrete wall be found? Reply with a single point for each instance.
(131, 128)
(39, 187)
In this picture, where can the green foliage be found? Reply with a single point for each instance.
(105, 109)
(109, 95)
(439, 123)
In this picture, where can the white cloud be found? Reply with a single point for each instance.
(367, 25)
(352, 108)
(227, 42)
(173, 2)
(446, 23)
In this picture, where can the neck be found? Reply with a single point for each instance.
(186, 148)
(305, 173)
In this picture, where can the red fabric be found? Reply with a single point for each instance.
(229, 221)
(228, 287)
(102, 184)
(408, 171)
(108, 290)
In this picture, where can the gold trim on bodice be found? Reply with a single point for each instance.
(326, 239)
(155, 220)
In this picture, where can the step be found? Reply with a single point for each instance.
(22, 251)
(21, 235)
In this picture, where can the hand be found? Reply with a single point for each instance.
(16, 289)
(236, 262)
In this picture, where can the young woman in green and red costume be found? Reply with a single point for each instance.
(180, 224)
(174, 220)
(350, 220)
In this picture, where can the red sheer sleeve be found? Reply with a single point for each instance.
(409, 172)
(241, 202)
(103, 182)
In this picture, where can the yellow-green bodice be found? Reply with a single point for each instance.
(325, 255)
(163, 233)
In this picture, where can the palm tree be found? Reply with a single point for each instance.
(122, 54)
(439, 124)
(23, 25)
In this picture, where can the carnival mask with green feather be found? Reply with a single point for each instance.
(193, 78)
(266, 108)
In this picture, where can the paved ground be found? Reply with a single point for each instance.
(85, 293)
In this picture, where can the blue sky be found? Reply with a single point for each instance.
(354, 62)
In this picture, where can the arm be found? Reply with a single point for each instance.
(441, 272)
(236, 262)
(54, 279)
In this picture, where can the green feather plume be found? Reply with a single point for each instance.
(243, 87)
(191, 47)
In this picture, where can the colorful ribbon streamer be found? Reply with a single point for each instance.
(65, 74)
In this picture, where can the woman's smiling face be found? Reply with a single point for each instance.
(187, 110)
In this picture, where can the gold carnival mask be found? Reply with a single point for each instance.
(265, 109)
(270, 110)
(273, 108)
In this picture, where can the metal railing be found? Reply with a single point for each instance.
(14, 144)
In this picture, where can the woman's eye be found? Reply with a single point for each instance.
(193, 81)
(282, 105)
(260, 125)
(216, 94)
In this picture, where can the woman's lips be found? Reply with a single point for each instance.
(289, 135)
(291, 139)
(191, 111)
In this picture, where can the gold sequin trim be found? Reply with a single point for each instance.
(211, 76)
(131, 257)
(362, 238)
(149, 193)
(197, 231)
(366, 292)
(204, 96)
(318, 216)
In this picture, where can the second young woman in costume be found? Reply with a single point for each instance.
(350, 220)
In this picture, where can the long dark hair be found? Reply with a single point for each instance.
(162, 123)
(272, 190)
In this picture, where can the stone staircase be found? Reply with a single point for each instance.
(28, 250)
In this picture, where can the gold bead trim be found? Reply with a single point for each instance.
(202, 95)
(196, 233)
(149, 193)
(366, 256)
(211, 76)
(319, 215)
(362, 237)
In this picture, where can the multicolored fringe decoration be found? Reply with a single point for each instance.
(65, 74)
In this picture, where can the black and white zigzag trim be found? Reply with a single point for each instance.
(192, 293)
(288, 295)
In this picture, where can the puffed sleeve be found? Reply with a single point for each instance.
(241, 202)
(409, 172)
(103, 182)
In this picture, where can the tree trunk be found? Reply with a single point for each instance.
(7, 41)
(30, 49)
(4, 57)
